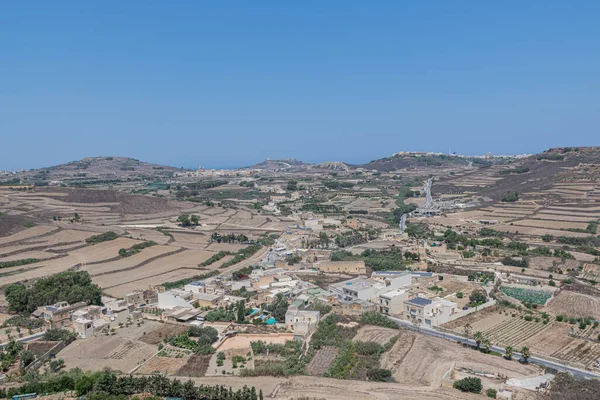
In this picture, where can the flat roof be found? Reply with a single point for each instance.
(420, 301)
(394, 293)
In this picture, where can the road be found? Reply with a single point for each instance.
(535, 360)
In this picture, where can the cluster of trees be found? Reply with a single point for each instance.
(103, 237)
(375, 318)
(242, 273)
(70, 286)
(513, 262)
(591, 241)
(352, 238)
(242, 254)
(202, 344)
(232, 312)
(382, 260)
(216, 257)
(108, 385)
(207, 184)
(9, 355)
(320, 208)
(16, 263)
(229, 238)
(517, 170)
(292, 186)
(136, 248)
(187, 220)
(550, 157)
(510, 197)
(468, 384)
(330, 184)
(592, 228)
(278, 307)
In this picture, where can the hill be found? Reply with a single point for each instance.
(96, 170)
(279, 165)
(418, 160)
(536, 174)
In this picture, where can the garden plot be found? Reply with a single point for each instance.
(190, 238)
(97, 353)
(27, 234)
(128, 262)
(526, 295)
(554, 217)
(574, 305)
(580, 352)
(103, 251)
(527, 230)
(322, 360)
(162, 365)
(514, 331)
(550, 340)
(372, 333)
(187, 259)
(216, 247)
(551, 224)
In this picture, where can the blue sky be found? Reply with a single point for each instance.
(231, 83)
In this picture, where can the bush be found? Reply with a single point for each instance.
(379, 375)
(491, 393)
(103, 237)
(510, 197)
(468, 384)
(374, 318)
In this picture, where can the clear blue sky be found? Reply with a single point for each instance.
(230, 83)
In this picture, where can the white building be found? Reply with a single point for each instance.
(175, 298)
(369, 289)
(392, 302)
(301, 322)
(429, 312)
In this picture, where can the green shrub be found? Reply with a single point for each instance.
(375, 318)
(468, 384)
(103, 237)
(491, 393)
(379, 374)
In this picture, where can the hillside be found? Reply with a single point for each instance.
(279, 165)
(97, 169)
(420, 160)
(535, 175)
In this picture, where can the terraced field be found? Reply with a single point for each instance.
(513, 331)
(580, 352)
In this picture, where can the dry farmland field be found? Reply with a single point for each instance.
(574, 304)
(56, 242)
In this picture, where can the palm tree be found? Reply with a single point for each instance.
(487, 343)
(509, 352)
(525, 353)
(478, 336)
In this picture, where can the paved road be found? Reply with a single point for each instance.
(536, 360)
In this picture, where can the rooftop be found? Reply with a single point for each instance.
(420, 301)
(394, 293)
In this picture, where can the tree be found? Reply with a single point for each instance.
(486, 343)
(468, 384)
(477, 297)
(241, 311)
(525, 354)
(491, 393)
(27, 358)
(76, 217)
(184, 220)
(194, 219)
(379, 374)
(509, 352)
(478, 336)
